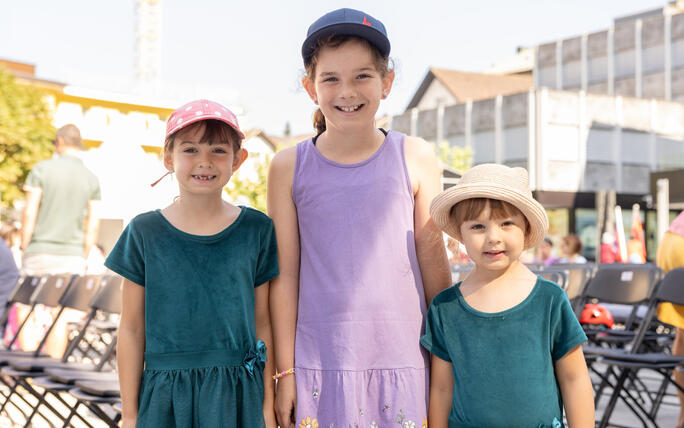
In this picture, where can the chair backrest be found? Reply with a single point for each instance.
(24, 289)
(52, 290)
(81, 292)
(557, 276)
(108, 299)
(578, 276)
(671, 288)
(459, 272)
(622, 283)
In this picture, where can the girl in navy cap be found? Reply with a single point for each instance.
(359, 254)
(195, 322)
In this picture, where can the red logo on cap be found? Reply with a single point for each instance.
(365, 22)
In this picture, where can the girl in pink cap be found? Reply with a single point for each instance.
(359, 254)
(195, 325)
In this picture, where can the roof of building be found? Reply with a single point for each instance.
(475, 86)
(27, 73)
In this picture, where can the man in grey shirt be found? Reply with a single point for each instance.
(60, 219)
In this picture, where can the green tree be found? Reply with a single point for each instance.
(242, 186)
(457, 157)
(26, 133)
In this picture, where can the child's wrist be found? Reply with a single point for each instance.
(284, 373)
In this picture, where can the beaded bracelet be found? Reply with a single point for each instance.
(284, 373)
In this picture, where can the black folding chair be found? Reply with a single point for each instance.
(578, 276)
(58, 379)
(459, 272)
(46, 291)
(559, 277)
(624, 284)
(631, 361)
(19, 370)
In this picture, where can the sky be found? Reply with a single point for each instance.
(247, 54)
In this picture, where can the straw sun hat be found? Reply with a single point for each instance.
(492, 181)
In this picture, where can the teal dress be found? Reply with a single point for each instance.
(203, 364)
(503, 363)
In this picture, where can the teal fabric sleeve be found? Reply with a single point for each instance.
(433, 339)
(127, 257)
(267, 264)
(566, 329)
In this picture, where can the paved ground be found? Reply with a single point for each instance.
(12, 417)
(623, 416)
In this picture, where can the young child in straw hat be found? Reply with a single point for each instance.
(505, 343)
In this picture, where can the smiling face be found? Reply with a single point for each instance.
(495, 238)
(347, 84)
(202, 167)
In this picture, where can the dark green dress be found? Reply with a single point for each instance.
(203, 365)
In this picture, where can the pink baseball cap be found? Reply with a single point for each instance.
(195, 111)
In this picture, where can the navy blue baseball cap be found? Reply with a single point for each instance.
(346, 22)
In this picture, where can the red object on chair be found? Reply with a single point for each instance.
(594, 313)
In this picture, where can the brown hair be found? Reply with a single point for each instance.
(574, 243)
(470, 209)
(214, 131)
(382, 65)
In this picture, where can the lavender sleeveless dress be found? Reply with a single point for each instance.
(361, 303)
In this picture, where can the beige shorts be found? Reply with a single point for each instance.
(49, 264)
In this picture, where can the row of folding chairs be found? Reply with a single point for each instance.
(82, 385)
(618, 357)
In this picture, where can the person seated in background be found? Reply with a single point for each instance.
(544, 255)
(571, 247)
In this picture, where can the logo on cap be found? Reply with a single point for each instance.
(365, 22)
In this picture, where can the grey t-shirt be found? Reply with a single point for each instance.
(67, 187)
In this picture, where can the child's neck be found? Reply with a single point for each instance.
(350, 146)
(495, 291)
(207, 216)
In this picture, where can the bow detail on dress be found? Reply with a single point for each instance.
(256, 355)
(556, 424)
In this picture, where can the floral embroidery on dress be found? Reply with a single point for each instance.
(401, 420)
(424, 425)
(386, 408)
(400, 417)
(308, 422)
(315, 393)
(373, 425)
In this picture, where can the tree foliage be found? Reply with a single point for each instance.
(251, 187)
(457, 157)
(26, 133)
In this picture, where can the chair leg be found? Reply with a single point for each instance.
(35, 409)
(608, 411)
